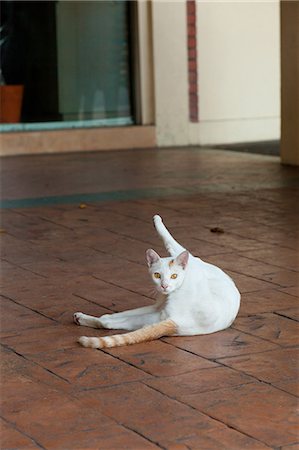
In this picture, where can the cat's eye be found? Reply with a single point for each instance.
(157, 275)
(174, 276)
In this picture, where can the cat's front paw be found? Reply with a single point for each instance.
(78, 316)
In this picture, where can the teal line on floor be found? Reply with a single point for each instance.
(144, 193)
(133, 194)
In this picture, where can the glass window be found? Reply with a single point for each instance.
(72, 60)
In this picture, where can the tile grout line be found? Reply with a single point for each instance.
(279, 347)
(285, 316)
(13, 425)
(116, 285)
(6, 346)
(208, 415)
(30, 309)
(267, 383)
(93, 303)
(167, 376)
(25, 268)
(141, 435)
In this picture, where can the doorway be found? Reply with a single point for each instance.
(73, 59)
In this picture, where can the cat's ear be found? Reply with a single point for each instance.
(182, 259)
(151, 257)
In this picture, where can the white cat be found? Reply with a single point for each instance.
(197, 298)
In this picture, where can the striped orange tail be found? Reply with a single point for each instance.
(148, 333)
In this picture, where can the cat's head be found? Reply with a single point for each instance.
(167, 273)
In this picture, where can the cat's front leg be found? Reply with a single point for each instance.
(105, 321)
(126, 320)
(88, 321)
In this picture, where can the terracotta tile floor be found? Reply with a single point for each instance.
(74, 230)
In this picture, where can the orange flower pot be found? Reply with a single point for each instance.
(11, 97)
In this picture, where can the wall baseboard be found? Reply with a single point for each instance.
(63, 141)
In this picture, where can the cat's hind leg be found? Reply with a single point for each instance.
(148, 333)
(171, 245)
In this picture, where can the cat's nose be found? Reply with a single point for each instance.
(164, 285)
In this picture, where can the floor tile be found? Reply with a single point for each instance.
(161, 359)
(273, 327)
(291, 447)
(198, 381)
(292, 291)
(16, 368)
(265, 233)
(88, 368)
(246, 283)
(291, 386)
(269, 300)
(229, 342)
(231, 390)
(226, 439)
(174, 418)
(14, 439)
(291, 313)
(111, 296)
(256, 269)
(267, 414)
(18, 317)
(278, 256)
(111, 437)
(41, 340)
(64, 418)
(271, 366)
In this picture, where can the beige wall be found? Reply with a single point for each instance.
(238, 70)
(238, 66)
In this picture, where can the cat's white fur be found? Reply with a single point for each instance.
(201, 299)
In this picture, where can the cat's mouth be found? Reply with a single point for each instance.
(165, 290)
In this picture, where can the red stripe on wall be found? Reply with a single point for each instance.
(192, 60)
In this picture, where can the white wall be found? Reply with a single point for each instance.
(238, 72)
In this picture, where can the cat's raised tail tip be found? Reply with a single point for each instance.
(157, 218)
